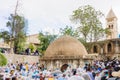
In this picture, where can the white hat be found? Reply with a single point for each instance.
(118, 65)
(116, 74)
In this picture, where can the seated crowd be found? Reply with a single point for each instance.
(98, 70)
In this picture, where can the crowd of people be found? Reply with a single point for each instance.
(26, 52)
(98, 70)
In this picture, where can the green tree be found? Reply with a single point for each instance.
(45, 40)
(5, 36)
(3, 60)
(68, 30)
(20, 36)
(89, 20)
(74, 33)
(32, 47)
(16, 33)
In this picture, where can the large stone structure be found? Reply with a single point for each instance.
(13, 58)
(110, 47)
(107, 48)
(111, 20)
(64, 50)
(33, 39)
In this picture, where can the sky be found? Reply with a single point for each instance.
(51, 15)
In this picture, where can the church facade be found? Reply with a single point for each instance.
(110, 47)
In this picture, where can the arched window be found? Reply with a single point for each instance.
(109, 47)
(109, 26)
(112, 26)
(95, 49)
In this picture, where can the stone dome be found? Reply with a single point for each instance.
(65, 46)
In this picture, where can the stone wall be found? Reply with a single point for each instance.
(12, 58)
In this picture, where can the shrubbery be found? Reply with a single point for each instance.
(3, 60)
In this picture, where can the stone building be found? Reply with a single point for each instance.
(110, 47)
(111, 24)
(107, 48)
(4, 47)
(31, 39)
(64, 50)
(68, 50)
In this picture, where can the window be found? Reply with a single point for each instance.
(110, 26)
(109, 47)
(95, 49)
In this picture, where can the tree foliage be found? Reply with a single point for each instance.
(89, 22)
(3, 60)
(68, 30)
(20, 36)
(45, 40)
(32, 47)
(16, 33)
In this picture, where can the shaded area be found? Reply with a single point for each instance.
(64, 67)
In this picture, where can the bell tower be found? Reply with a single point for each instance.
(111, 20)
